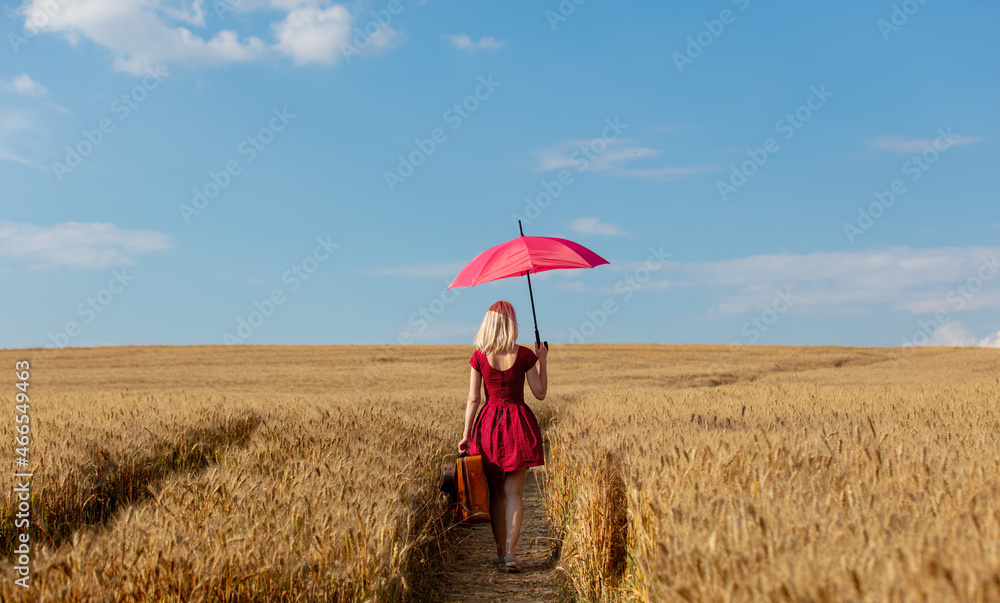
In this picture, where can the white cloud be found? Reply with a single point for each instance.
(990, 341)
(594, 226)
(146, 33)
(23, 84)
(917, 281)
(313, 35)
(955, 334)
(952, 334)
(92, 245)
(193, 14)
(418, 270)
(908, 146)
(464, 42)
(140, 32)
(569, 154)
(384, 38)
(582, 155)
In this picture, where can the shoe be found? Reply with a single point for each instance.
(510, 564)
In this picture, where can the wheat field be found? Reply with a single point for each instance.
(701, 473)
(234, 474)
(774, 474)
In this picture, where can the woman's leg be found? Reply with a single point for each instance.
(513, 487)
(498, 509)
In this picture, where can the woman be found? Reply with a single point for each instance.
(506, 433)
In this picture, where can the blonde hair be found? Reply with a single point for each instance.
(498, 333)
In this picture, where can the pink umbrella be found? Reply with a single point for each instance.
(524, 255)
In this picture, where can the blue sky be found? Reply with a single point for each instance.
(305, 172)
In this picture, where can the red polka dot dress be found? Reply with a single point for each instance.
(506, 432)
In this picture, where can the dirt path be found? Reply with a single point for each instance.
(470, 574)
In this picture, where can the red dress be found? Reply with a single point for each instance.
(506, 432)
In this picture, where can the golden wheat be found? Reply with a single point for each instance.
(708, 473)
(817, 475)
(277, 474)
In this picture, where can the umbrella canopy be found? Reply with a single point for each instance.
(524, 254)
(521, 257)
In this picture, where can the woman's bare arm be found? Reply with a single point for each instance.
(538, 379)
(471, 406)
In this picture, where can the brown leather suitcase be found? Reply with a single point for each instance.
(473, 495)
